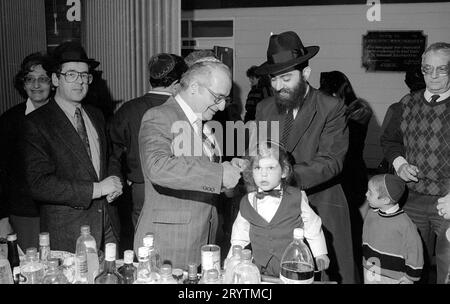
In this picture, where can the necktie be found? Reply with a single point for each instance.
(81, 129)
(209, 145)
(263, 194)
(289, 121)
(434, 99)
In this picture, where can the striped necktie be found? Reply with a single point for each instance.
(81, 130)
(434, 99)
(288, 123)
(207, 143)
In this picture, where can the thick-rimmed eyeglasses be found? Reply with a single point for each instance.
(72, 76)
(28, 80)
(441, 70)
(219, 98)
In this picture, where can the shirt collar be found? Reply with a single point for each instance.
(276, 188)
(427, 94)
(67, 106)
(159, 93)
(30, 107)
(192, 117)
(393, 209)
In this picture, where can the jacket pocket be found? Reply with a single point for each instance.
(171, 216)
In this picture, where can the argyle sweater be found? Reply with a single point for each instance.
(426, 137)
(392, 245)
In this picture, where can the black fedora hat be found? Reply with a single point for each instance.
(72, 51)
(285, 51)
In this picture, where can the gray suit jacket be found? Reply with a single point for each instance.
(180, 190)
(61, 176)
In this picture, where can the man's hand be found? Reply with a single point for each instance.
(240, 163)
(112, 196)
(231, 175)
(110, 185)
(443, 206)
(408, 173)
(322, 262)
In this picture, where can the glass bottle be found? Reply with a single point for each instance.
(246, 272)
(128, 270)
(44, 247)
(109, 275)
(177, 274)
(6, 276)
(231, 262)
(297, 265)
(144, 274)
(192, 274)
(32, 269)
(54, 274)
(13, 257)
(86, 243)
(153, 253)
(81, 269)
(211, 277)
(166, 275)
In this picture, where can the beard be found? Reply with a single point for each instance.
(288, 99)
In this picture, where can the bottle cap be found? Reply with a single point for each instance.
(85, 229)
(11, 237)
(246, 254)
(177, 273)
(166, 269)
(110, 252)
(298, 233)
(212, 274)
(192, 270)
(44, 239)
(148, 239)
(237, 249)
(128, 256)
(143, 252)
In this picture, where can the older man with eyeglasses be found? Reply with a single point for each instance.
(416, 142)
(66, 157)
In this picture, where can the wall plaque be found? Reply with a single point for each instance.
(392, 50)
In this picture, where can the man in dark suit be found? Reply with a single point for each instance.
(66, 157)
(181, 168)
(165, 72)
(313, 129)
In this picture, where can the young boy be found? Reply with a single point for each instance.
(268, 216)
(392, 248)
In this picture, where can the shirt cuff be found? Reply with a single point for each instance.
(97, 193)
(400, 160)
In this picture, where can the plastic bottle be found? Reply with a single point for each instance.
(32, 269)
(144, 274)
(246, 272)
(297, 266)
(6, 276)
(128, 270)
(166, 275)
(44, 247)
(81, 269)
(86, 243)
(192, 274)
(231, 262)
(109, 275)
(153, 253)
(54, 275)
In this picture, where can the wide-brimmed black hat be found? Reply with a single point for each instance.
(72, 51)
(285, 51)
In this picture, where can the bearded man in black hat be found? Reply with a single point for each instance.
(66, 157)
(313, 129)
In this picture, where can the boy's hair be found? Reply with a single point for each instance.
(268, 149)
(388, 185)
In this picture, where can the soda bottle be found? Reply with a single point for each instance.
(86, 243)
(297, 266)
(81, 269)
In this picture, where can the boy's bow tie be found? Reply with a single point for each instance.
(274, 193)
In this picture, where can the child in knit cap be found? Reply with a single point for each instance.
(392, 248)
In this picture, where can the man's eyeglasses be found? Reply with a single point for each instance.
(219, 98)
(29, 80)
(440, 70)
(72, 76)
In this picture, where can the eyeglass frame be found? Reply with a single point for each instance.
(444, 70)
(218, 98)
(79, 75)
(26, 80)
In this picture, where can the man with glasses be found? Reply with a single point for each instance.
(416, 142)
(66, 157)
(181, 165)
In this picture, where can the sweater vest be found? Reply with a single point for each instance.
(426, 137)
(271, 239)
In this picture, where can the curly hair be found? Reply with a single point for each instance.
(269, 149)
(26, 67)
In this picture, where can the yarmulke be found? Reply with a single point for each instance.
(160, 65)
(395, 187)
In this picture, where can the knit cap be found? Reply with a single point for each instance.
(395, 187)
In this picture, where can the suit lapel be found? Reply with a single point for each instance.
(69, 136)
(302, 121)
